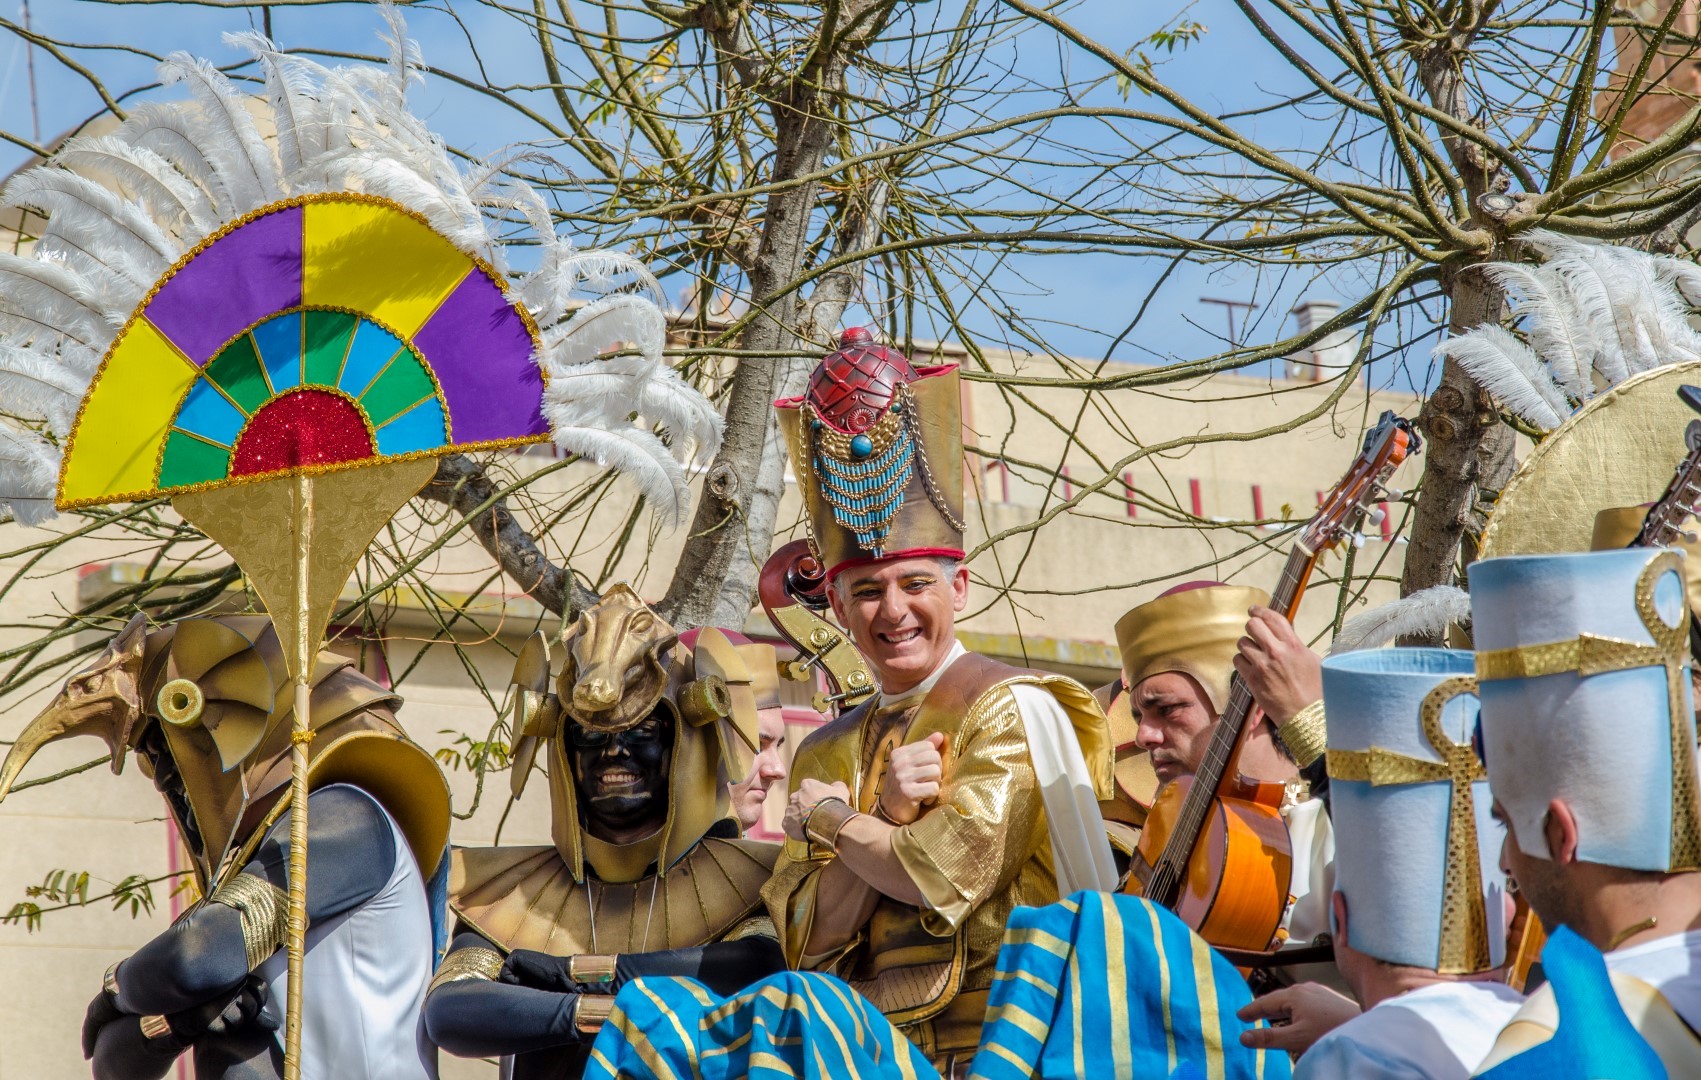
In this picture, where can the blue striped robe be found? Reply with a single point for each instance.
(1099, 985)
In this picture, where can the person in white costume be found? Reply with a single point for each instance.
(1419, 903)
(1588, 734)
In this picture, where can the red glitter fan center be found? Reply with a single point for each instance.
(303, 427)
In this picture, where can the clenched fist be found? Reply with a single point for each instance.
(913, 776)
(808, 793)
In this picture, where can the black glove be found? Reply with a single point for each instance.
(246, 1006)
(542, 971)
(102, 1011)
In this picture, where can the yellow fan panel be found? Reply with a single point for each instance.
(131, 405)
(373, 259)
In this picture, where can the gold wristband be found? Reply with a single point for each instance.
(826, 820)
(264, 909)
(591, 1011)
(1306, 734)
(472, 963)
(154, 1027)
(592, 967)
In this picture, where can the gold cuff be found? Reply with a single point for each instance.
(591, 1011)
(109, 981)
(474, 963)
(154, 1027)
(592, 967)
(265, 914)
(1305, 734)
(826, 820)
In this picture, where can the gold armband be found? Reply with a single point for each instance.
(1305, 734)
(474, 963)
(825, 821)
(591, 967)
(591, 1011)
(265, 914)
(155, 1027)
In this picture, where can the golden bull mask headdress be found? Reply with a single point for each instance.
(625, 663)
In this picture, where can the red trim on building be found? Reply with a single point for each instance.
(1197, 497)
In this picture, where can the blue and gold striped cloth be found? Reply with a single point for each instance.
(1099, 985)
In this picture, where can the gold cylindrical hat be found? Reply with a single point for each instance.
(877, 447)
(1190, 630)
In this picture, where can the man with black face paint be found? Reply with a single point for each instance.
(647, 875)
(190, 701)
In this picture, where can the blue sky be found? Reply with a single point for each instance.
(1097, 292)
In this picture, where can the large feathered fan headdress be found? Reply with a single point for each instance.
(180, 179)
(1589, 316)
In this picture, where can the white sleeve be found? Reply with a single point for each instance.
(1080, 850)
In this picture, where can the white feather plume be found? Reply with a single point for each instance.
(232, 140)
(1427, 612)
(1591, 315)
(29, 471)
(186, 169)
(1509, 370)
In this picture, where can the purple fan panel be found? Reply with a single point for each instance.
(482, 356)
(245, 275)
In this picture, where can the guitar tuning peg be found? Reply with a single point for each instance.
(1393, 494)
(1358, 539)
(1691, 538)
(1376, 517)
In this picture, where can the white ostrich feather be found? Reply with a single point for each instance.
(638, 455)
(1540, 298)
(1428, 612)
(628, 389)
(91, 216)
(298, 115)
(29, 471)
(166, 193)
(46, 291)
(1591, 315)
(1507, 368)
(36, 386)
(377, 173)
(174, 133)
(232, 140)
(604, 324)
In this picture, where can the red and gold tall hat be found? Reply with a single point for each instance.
(877, 444)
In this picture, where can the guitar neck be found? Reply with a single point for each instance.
(1164, 886)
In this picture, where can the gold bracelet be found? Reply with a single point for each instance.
(1306, 734)
(592, 967)
(109, 981)
(154, 1027)
(591, 1011)
(264, 912)
(472, 963)
(826, 820)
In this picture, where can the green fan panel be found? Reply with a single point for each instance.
(327, 336)
(188, 460)
(403, 385)
(237, 370)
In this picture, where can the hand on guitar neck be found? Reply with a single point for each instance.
(1215, 848)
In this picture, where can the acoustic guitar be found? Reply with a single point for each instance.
(1663, 526)
(1215, 849)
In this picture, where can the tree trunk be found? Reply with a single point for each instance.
(714, 582)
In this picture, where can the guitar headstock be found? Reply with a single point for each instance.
(1682, 498)
(1386, 446)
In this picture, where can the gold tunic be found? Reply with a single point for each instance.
(976, 855)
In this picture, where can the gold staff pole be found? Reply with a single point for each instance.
(305, 647)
